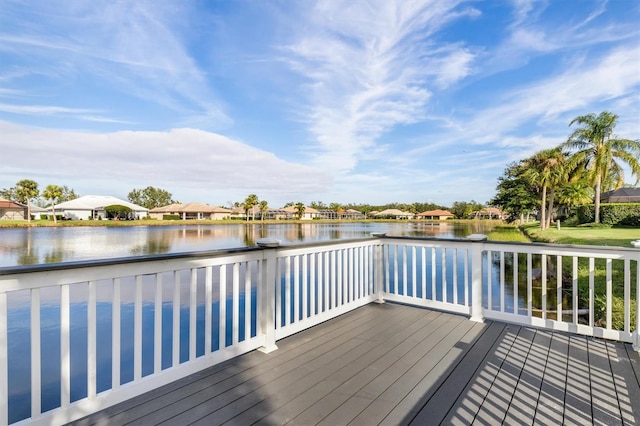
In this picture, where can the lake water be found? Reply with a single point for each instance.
(29, 246)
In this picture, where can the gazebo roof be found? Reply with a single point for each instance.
(92, 202)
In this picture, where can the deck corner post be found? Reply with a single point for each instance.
(267, 299)
(635, 336)
(477, 247)
(4, 361)
(378, 281)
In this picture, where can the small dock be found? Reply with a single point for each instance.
(392, 364)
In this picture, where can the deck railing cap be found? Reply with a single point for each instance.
(477, 237)
(268, 242)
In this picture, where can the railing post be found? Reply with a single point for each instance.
(636, 333)
(378, 278)
(267, 295)
(477, 247)
(4, 361)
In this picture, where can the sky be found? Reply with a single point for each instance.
(334, 101)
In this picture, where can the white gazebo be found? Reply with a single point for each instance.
(92, 207)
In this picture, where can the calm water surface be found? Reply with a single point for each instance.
(29, 246)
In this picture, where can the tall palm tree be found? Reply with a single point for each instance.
(26, 190)
(599, 153)
(300, 208)
(545, 169)
(264, 207)
(249, 203)
(52, 193)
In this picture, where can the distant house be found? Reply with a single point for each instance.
(38, 212)
(489, 213)
(10, 210)
(394, 214)
(240, 213)
(191, 211)
(352, 214)
(328, 214)
(437, 214)
(621, 195)
(276, 214)
(93, 207)
(309, 212)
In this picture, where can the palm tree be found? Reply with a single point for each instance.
(300, 208)
(26, 190)
(53, 193)
(264, 207)
(249, 203)
(545, 170)
(598, 152)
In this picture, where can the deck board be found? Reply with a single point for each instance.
(604, 400)
(628, 393)
(527, 392)
(435, 408)
(550, 408)
(394, 364)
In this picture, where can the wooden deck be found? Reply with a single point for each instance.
(392, 364)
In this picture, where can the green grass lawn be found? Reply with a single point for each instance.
(620, 237)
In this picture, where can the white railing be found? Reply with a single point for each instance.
(76, 338)
(318, 283)
(589, 290)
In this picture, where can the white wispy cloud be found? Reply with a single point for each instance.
(134, 47)
(43, 109)
(100, 119)
(369, 68)
(187, 159)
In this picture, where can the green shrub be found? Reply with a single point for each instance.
(170, 217)
(117, 211)
(572, 221)
(627, 214)
(594, 225)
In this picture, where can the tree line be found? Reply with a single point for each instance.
(574, 173)
(27, 190)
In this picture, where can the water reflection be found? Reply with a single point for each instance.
(153, 246)
(28, 246)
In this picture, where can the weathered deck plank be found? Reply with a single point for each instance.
(393, 364)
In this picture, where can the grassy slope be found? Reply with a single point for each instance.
(620, 237)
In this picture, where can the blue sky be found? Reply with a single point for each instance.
(333, 101)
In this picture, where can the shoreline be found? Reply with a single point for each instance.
(156, 222)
